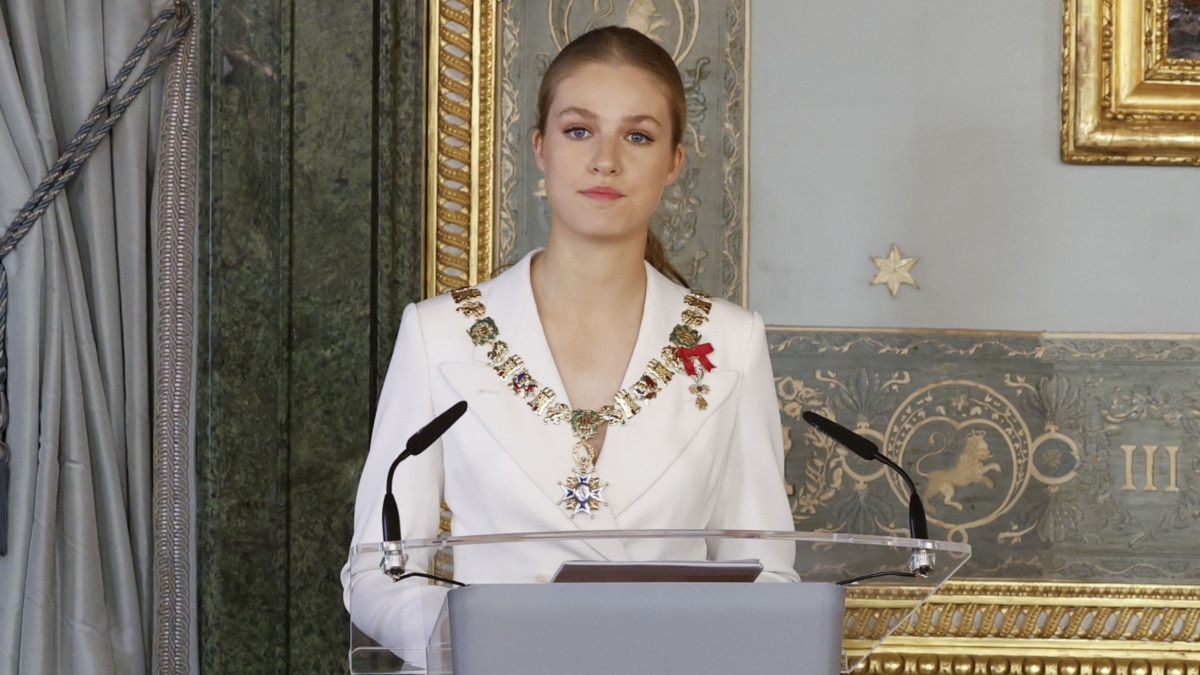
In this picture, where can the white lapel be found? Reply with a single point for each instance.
(542, 451)
(638, 453)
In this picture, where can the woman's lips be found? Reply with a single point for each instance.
(602, 192)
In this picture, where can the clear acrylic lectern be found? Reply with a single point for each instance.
(512, 617)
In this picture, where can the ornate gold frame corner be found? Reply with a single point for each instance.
(461, 141)
(968, 627)
(1123, 100)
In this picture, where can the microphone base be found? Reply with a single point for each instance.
(921, 563)
(394, 560)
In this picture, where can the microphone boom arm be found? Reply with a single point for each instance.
(922, 560)
(394, 558)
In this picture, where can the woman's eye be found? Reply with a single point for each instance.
(577, 132)
(640, 138)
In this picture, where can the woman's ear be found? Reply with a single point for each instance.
(677, 163)
(536, 140)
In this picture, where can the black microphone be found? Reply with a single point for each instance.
(394, 558)
(921, 562)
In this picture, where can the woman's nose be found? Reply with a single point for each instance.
(605, 160)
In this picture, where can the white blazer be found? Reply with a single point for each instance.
(672, 466)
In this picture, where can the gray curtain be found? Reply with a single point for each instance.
(76, 588)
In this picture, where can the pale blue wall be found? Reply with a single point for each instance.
(934, 124)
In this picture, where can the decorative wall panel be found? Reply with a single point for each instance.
(1054, 456)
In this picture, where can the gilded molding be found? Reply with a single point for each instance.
(461, 131)
(1021, 610)
(1124, 101)
(1023, 660)
(1036, 628)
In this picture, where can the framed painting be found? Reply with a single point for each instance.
(1131, 82)
(1047, 594)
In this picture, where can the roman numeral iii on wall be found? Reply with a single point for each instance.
(1172, 453)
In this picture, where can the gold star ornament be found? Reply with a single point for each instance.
(895, 270)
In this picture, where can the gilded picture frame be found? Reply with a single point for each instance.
(969, 626)
(1126, 97)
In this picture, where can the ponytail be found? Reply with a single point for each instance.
(656, 255)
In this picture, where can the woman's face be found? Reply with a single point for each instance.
(606, 151)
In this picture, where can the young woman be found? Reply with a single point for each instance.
(602, 393)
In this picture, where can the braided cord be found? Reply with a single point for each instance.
(91, 133)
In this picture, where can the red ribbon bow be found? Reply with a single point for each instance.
(700, 353)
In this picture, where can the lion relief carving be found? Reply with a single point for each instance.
(971, 467)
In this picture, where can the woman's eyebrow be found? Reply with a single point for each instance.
(639, 119)
(576, 110)
(589, 115)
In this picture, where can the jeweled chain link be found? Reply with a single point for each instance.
(677, 357)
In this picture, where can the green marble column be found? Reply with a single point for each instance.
(310, 250)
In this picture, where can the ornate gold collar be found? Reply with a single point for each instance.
(684, 353)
